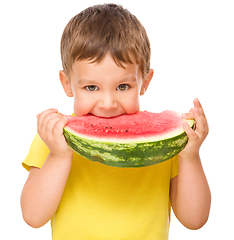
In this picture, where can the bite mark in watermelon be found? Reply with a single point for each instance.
(134, 140)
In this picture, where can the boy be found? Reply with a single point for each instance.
(106, 66)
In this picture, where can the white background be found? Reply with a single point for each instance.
(192, 54)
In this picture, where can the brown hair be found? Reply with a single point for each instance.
(101, 29)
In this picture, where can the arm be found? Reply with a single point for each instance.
(44, 187)
(190, 194)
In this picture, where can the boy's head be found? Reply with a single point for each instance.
(106, 60)
(103, 29)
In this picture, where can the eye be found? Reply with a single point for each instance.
(91, 88)
(123, 87)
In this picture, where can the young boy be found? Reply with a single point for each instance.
(106, 60)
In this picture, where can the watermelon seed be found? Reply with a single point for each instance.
(91, 125)
(126, 130)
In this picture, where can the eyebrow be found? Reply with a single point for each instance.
(86, 82)
(129, 79)
(93, 82)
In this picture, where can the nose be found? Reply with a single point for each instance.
(108, 101)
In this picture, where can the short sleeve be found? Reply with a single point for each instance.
(37, 154)
(175, 166)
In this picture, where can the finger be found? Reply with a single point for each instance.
(197, 104)
(197, 107)
(201, 123)
(44, 118)
(189, 131)
(58, 128)
(189, 115)
(50, 122)
(42, 115)
(46, 112)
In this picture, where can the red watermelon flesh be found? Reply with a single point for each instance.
(142, 124)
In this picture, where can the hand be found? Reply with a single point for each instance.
(50, 128)
(197, 136)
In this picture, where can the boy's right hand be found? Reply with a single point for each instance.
(50, 126)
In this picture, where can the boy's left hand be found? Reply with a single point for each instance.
(197, 136)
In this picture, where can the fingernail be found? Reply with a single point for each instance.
(55, 109)
(184, 115)
(37, 116)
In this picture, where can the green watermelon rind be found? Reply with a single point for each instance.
(132, 154)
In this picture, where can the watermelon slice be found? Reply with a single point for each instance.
(134, 140)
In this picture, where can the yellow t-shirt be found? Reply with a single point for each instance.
(102, 203)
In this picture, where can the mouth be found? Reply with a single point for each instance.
(106, 116)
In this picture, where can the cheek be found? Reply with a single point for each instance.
(82, 105)
(132, 105)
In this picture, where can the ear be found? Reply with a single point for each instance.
(146, 82)
(65, 83)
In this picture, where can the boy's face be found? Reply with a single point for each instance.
(104, 89)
